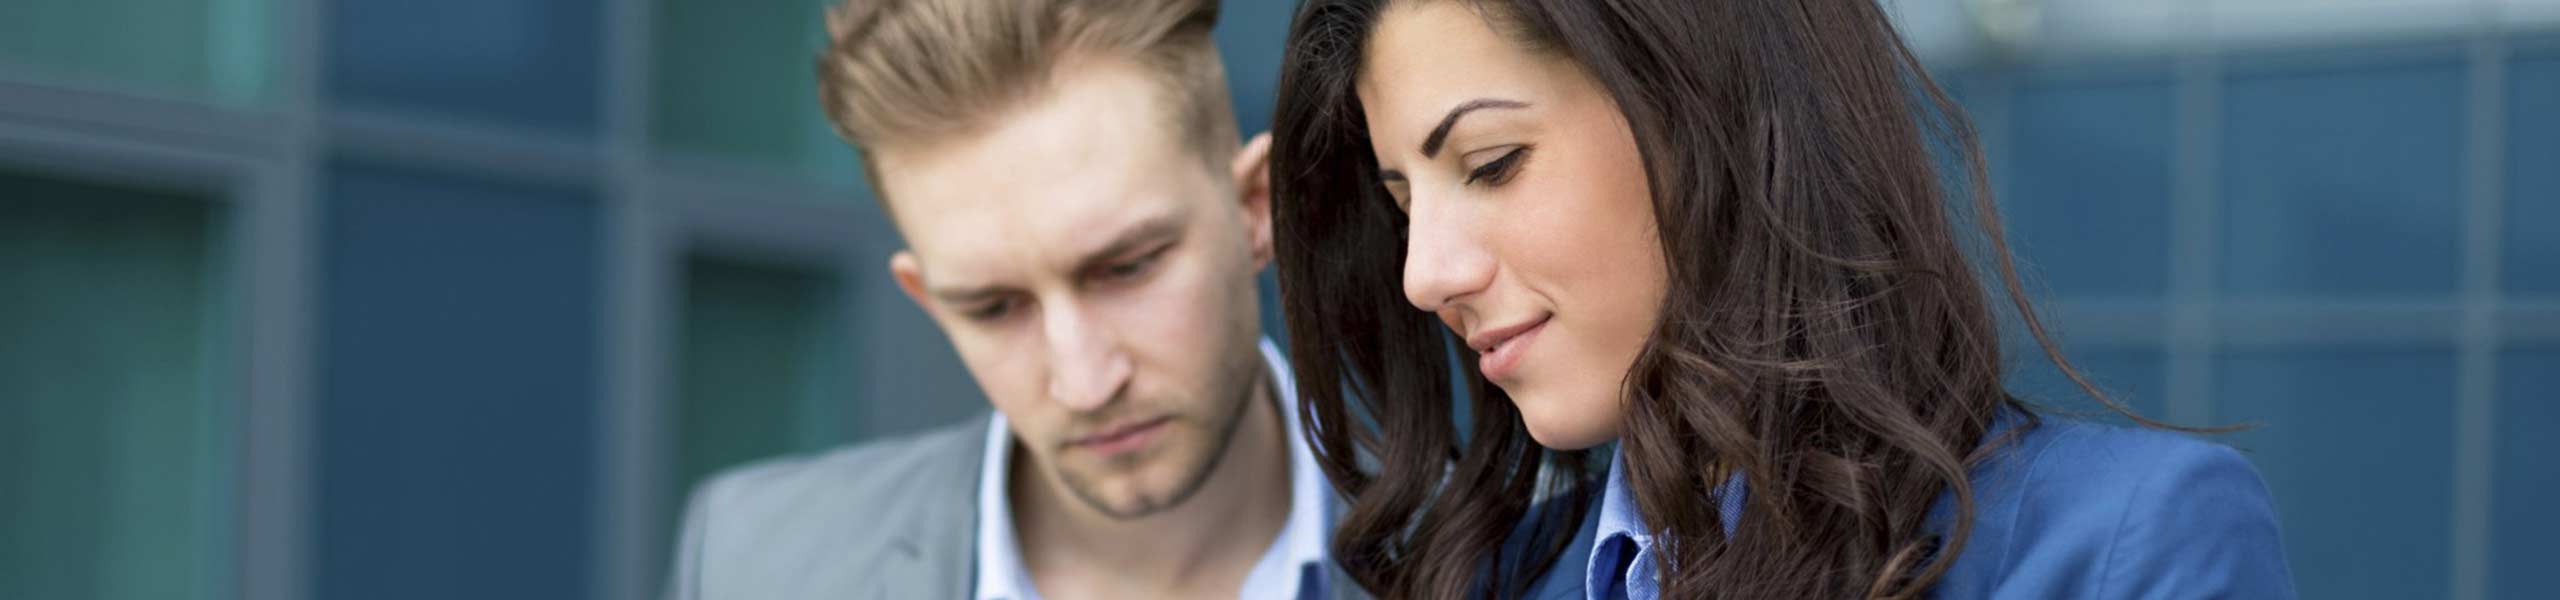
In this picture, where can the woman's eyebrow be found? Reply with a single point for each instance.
(1431, 143)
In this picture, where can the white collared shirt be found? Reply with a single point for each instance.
(1293, 567)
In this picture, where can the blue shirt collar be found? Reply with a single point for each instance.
(1623, 559)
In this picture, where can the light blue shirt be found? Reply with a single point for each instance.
(1624, 538)
(2067, 510)
(1292, 568)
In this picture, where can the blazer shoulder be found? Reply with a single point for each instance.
(2065, 462)
(2078, 509)
(858, 475)
(884, 470)
(772, 525)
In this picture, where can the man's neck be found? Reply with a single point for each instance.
(1202, 547)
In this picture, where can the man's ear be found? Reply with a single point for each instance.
(1252, 170)
(910, 276)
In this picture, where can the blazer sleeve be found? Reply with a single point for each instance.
(684, 575)
(2200, 525)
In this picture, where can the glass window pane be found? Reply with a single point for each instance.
(2342, 181)
(216, 50)
(2089, 185)
(733, 80)
(1250, 36)
(765, 368)
(2135, 377)
(115, 430)
(765, 354)
(2532, 238)
(457, 391)
(2526, 484)
(2355, 444)
(534, 65)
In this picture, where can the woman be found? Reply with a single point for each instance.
(1714, 233)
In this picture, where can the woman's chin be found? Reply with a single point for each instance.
(1566, 427)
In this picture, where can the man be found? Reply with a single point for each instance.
(1085, 227)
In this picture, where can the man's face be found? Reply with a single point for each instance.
(1096, 275)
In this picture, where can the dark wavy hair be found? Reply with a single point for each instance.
(1823, 335)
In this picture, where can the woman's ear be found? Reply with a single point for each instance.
(1252, 171)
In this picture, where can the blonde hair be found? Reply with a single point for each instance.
(910, 72)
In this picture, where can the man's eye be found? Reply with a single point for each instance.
(991, 310)
(1129, 268)
(1132, 268)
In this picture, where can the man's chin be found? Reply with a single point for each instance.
(1133, 494)
(1146, 481)
(1124, 502)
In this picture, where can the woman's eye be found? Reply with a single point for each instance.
(1498, 171)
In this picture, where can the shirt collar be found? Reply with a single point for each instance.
(1622, 560)
(1295, 563)
(1000, 572)
(1292, 566)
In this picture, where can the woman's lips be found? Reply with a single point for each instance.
(1500, 351)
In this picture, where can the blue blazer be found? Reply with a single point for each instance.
(2075, 510)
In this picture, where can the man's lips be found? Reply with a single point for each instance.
(1122, 437)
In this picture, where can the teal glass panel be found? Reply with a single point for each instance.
(736, 81)
(766, 365)
(217, 50)
(116, 433)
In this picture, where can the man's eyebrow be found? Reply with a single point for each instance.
(1440, 134)
(969, 294)
(1131, 239)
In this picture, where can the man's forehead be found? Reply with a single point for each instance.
(989, 239)
(1056, 178)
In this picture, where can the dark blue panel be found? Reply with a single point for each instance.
(513, 63)
(1976, 94)
(1250, 36)
(1964, 86)
(2135, 377)
(1274, 324)
(2532, 239)
(457, 388)
(2089, 185)
(2528, 483)
(2342, 182)
(2358, 448)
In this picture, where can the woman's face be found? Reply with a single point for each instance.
(1532, 225)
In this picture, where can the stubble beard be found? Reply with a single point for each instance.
(1191, 483)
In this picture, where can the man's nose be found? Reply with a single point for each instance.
(1087, 366)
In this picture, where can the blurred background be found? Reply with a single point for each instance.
(386, 299)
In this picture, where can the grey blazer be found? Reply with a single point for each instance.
(890, 519)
